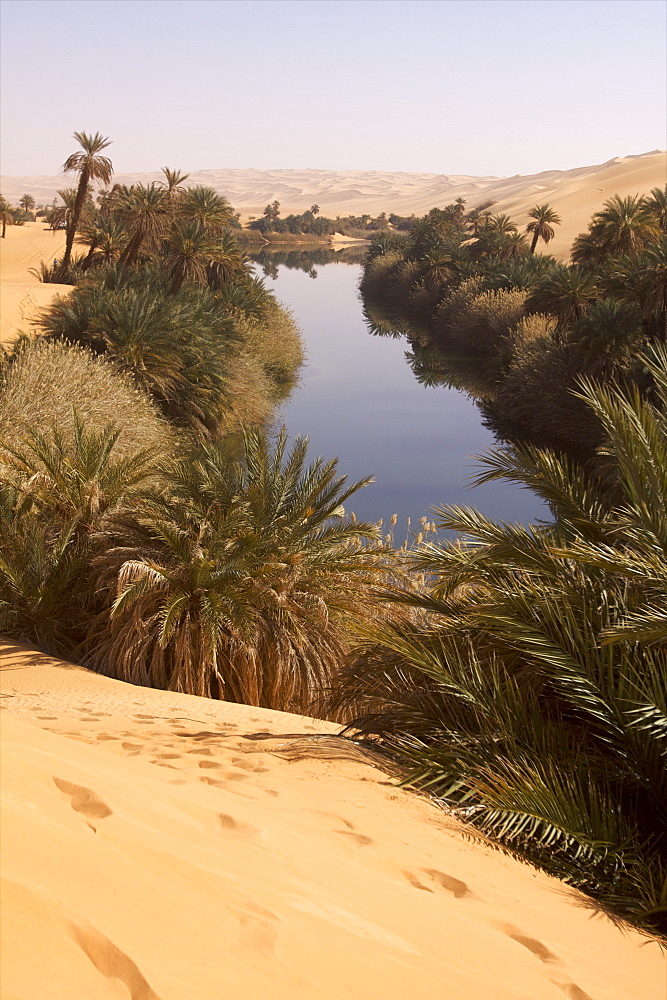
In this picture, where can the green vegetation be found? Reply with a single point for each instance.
(516, 329)
(528, 690)
(152, 524)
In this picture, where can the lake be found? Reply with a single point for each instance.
(358, 399)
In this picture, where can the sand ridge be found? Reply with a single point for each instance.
(575, 193)
(165, 847)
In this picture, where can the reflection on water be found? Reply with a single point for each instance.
(359, 399)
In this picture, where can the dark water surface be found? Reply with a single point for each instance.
(359, 400)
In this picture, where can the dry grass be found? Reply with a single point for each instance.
(45, 382)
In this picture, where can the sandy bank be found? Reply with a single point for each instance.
(164, 847)
(22, 295)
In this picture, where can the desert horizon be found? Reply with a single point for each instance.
(575, 194)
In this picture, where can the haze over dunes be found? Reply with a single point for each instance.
(168, 847)
(574, 194)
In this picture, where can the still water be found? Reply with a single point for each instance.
(359, 400)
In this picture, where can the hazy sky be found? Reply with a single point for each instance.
(447, 86)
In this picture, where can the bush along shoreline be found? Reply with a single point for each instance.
(486, 313)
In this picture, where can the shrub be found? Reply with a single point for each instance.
(43, 382)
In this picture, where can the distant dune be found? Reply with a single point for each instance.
(575, 194)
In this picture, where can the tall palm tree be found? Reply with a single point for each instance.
(544, 219)
(61, 215)
(244, 584)
(90, 166)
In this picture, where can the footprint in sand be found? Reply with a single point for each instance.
(235, 828)
(84, 800)
(547, 957)
(111, 961)
(359, 839)
(259, 930)
(414, 881)
(458, 889)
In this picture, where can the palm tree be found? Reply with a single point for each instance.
(58, 488)
(6, 217)
(176, 347)
(173, 181)
(657, 206)
(106, 239)
(244, 584)
(565, 293)
(27, 203)
(204, 205)
(189, 251)
(143, 210)
(90, 166)
(607, 336)
(61, 215)
(544, 219)
(624, 225)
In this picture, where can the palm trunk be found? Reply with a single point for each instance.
(76, 215)
(129, 254)
(536, 237)
(4, 228)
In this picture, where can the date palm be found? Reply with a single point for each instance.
(27, 202)
(143, 210)
(189, 250)
(174, 181)
(624, 225)
(656, 203)
(244, 584)
(206, 206)
(105, 237)
(565, 293)
(544, 219)
(90, 166)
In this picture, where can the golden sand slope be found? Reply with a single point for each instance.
(22, 295)
(575, 194)
(165, 847)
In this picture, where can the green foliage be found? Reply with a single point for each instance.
(242, 582)
(531, 696)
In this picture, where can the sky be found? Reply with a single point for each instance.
(481, 87)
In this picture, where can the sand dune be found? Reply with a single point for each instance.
(575, 194)
(164, 847)
(22, 295)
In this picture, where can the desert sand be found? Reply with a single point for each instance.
(575, 193)
(159, 846)
(22, 295)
